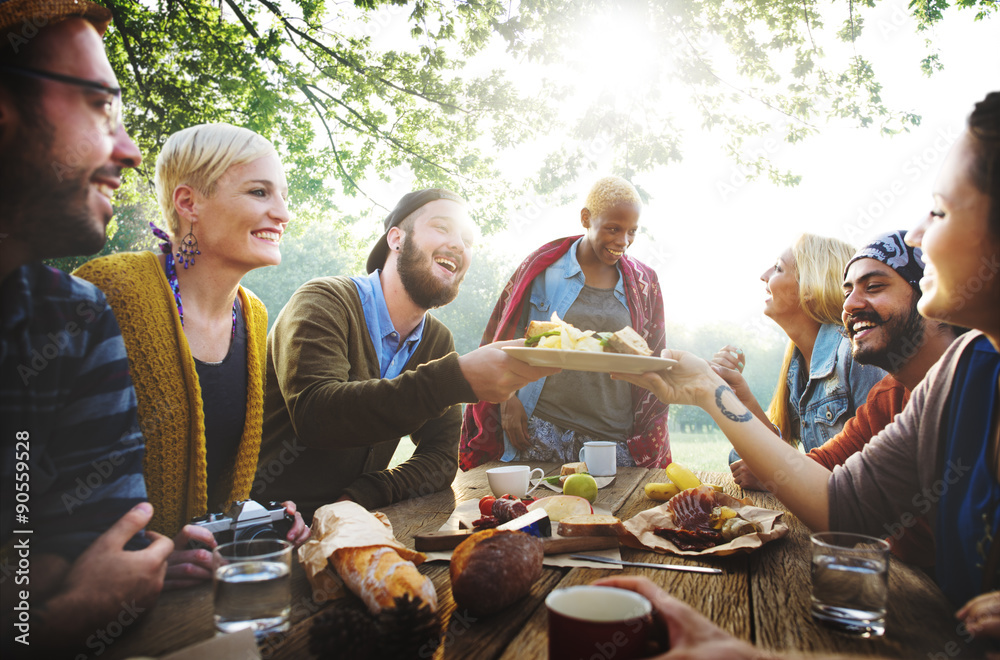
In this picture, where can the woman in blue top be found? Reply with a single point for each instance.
(941, 455)
(820, 385)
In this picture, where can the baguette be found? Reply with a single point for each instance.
(629, 342)
(378, 576)
(494, 568)
(591, 525)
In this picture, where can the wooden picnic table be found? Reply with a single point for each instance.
(763, 597)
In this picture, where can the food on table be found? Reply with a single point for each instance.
(561, 506)
(683, 477)
(535, 522)
(492, 569)
(661, 492)
(591, 525)
(558, 334)
(360, 547)
(581, 485)
(499, 510)
(381, 578)
(507, 508)
(701, 522)
(627, 341)
(486, 505)
(572, 468)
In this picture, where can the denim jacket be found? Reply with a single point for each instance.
(837, 385)
(555, 290)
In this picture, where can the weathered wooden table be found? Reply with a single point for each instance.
(762, 597)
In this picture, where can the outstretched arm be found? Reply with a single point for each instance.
(798, 481)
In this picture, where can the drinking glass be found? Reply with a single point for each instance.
(850, 582)
(253, 586)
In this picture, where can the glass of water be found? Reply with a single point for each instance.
(850, 582)
(252, 586)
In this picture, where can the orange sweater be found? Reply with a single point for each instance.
(886, 400)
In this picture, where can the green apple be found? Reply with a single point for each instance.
(581, 485)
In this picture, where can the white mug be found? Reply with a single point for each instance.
(600, 457)
(513, 479)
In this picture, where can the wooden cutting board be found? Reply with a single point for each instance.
(553, 545)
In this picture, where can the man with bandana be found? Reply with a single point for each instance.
(73, 501)
(881, 290)
(354, 364)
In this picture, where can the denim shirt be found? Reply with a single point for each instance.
(837, 385)
(391, 356)
(555, 290)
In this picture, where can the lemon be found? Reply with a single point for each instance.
(581, 485)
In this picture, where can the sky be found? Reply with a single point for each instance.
(708, 231)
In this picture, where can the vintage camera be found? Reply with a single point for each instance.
(247, 520)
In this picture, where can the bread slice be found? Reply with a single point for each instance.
(627, 341)
(572, 468)
(592, 525)
(536, 328)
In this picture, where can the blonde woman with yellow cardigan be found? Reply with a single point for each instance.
(195, 337)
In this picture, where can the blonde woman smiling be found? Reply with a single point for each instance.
(820, 385)
(196, 338)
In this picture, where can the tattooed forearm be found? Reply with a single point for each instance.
(745, 417)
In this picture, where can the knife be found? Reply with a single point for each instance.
(552, 545)
(641, 564)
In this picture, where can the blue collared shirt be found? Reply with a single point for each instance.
(555, 290)
(392, 356)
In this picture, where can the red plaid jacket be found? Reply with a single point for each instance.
(482, 433)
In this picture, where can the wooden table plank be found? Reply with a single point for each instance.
(919, 620)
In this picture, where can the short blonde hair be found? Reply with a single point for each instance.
(198, 157)
(611, 191)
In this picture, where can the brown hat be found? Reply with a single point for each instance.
(409, 203)
(20, 20)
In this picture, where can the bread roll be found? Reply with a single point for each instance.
(492, 569)
(378, 576)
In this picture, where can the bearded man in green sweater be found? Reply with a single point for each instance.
(354, 364)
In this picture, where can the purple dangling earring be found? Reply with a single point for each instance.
(188, 249)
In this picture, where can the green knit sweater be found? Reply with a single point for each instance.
(331, 424)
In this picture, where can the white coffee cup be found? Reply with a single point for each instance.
(513, 479)
(600, 457)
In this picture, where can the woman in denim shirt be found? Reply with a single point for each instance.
(820, 385)
(590, 282)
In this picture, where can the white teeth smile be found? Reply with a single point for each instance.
(105, 190)
(615, 252)
(447, 263)
(863, 325)
(274, 237)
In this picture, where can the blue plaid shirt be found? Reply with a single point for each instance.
(67, 414)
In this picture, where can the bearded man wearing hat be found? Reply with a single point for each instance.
(881, 291)
(355, 363)
(73, 491)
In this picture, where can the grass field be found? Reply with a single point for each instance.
(696, 451)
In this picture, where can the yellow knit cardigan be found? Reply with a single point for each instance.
(166, 384)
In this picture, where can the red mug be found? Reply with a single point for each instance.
(589, 621)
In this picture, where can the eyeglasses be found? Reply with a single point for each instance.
(112, 107)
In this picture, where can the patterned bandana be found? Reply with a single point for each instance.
(892, 250)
